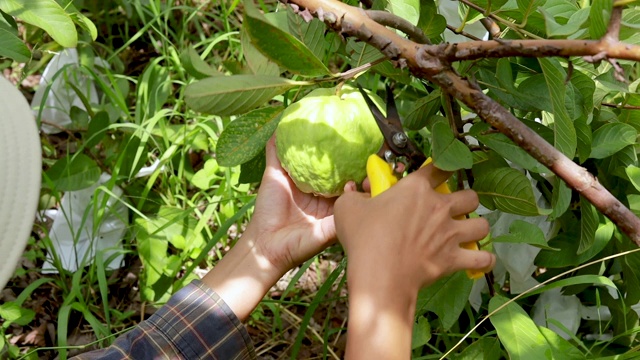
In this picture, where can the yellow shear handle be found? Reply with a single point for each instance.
(381, 177)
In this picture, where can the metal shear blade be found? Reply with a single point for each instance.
(396, 146)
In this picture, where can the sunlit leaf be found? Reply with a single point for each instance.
(562, 349)
(517, 332)
(45, 14)
(246, 136)
(279, 46)
(236, 94)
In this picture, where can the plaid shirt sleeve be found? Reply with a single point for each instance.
(195, 324)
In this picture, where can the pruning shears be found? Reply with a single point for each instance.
(398, 154)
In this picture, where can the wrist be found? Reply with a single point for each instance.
(242, 277)
(381, 319)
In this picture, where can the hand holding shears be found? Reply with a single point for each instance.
(397, 155)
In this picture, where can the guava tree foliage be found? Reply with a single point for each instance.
(541, 120)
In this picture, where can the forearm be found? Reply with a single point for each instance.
(380, 320)
(242, 277)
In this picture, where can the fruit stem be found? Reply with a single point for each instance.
(339, 88)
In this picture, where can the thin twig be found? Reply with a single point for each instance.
(497, 18)
(355, 71)
(463, 33)
(388, 19)
(623, 107)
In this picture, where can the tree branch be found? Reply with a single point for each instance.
(603, 49)
(434, 63)
(492, 27)
(463, 33)
(388, 19)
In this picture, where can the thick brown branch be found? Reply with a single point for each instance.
(540, 48)
(433, 63)
(388, 19)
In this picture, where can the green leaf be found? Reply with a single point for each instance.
(585, 138)
(97, 129)
(517, 332)
(236, 94)
(206, 177)
(279, 46)
(611, 138)
(486, 348)
(572, 281)
(430, 22)
(506, 148)
(12, 47)
(406, 9)
(561, 348)
(246, 136)
(586, 86)
(79, 18)
(633, 172)
(572, 26)
(421, 333)
(252, 170)
(631, 273)
(422, 110)
(449, 153)
(508, 190)
(258, 63)
(560, 198)
(588, 225)
(527, 7)
(47, 15)
(14, 314)
(73, 172)
(447, 297)
(311, 33)
(565, 138)
(599, 18)
(568, 254)
(153, 254)
(195, 66)
(523, 232)
(361, 53)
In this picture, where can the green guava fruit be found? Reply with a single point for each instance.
(324, 139)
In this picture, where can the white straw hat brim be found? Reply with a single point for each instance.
(20, 174)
